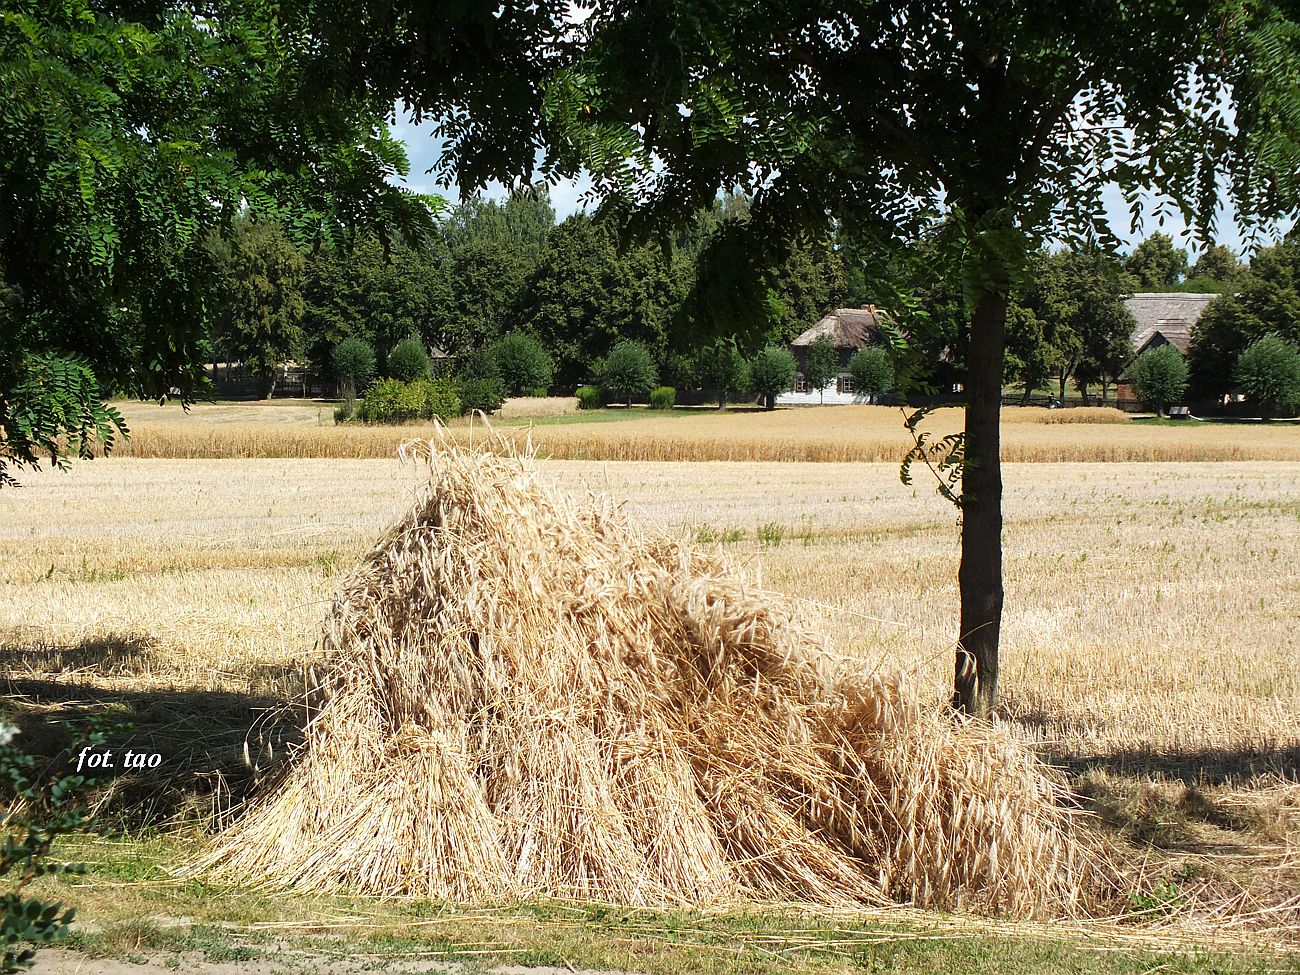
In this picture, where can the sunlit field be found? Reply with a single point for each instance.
(1149, 638)
(839, 433)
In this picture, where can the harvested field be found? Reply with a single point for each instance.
(831, 434)
(1149, 644)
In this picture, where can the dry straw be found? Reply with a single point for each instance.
(526, 696)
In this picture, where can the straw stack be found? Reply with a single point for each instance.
(526, 696)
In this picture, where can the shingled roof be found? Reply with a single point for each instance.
(849, 328)
(1166, 317)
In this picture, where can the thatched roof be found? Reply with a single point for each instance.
(850, 328)
(1166, 317)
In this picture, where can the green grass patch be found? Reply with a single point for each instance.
(134, 907)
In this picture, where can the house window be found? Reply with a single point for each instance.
(846, 384)
(800, 383)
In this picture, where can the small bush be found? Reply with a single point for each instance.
(522, 363)
(772, 373)
(1269, 374)
(1159, 377)
(628, 371)
(343, 412)
(539, 392)
(408, 362)
(484, 394)
(872, 371)
(663, 398)
(354, 364)
(390, 401)
(588, 398)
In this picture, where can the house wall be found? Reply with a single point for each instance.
(830, 397)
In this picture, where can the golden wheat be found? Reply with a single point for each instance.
(821, 434)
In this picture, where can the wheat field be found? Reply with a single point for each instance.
(823, 434)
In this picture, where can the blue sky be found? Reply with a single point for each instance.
(423, 151)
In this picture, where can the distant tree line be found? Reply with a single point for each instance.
(525, 302)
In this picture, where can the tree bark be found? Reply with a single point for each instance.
(980, 573)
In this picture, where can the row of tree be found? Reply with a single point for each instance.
(493, 269)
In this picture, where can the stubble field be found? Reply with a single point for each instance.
(1149, 638)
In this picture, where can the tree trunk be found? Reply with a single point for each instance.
(980, 573)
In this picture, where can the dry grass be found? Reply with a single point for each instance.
(822, 434)
(528, 697)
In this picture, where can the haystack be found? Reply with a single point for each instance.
(527, 696)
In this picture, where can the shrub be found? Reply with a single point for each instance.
(483, 394)
(772, 373)
(821, 364)
(354, 364)
(872, 371)
(628, 371)
(663, 398)
(1269, 374)
(440, 399)
(343, 412)
(390, 401)
(588, 398)
(43, 808)
(1159, 377)
(721, 368)
(522, 363)
(408, 362)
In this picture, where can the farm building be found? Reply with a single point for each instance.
(1162, 318)
(851, 329)
(1165, 318)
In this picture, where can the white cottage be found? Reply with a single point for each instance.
(851, 329)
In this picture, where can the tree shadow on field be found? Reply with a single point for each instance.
(1208, 765)
(112, 654)
(213, 745)
(1200, 766)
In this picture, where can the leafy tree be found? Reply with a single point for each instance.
(522, 363)
(1159, 377)
(721, 368)
(821, 364)
(1269, 374)
(1078, 295)
(1012, 120)
(1267, 300)
(587, 295)
(354, 364)
(628, 370)
(478, 382)
(872, 371)
(409, 361)
(1217, 270)
(381, 295)
(258, 305)
(1156, 264)
(129, 134)
(772, 373)
(1031, 357)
